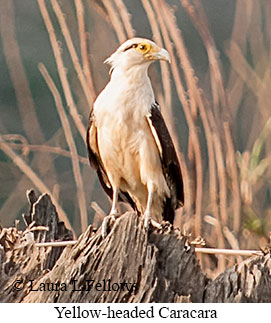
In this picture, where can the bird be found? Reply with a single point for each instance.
(128, 142)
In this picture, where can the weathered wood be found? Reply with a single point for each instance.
(249, 282)
(20, 260)
(43, 213)
(161, 265)
(158, 266)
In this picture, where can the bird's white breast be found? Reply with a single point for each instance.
(124, 99)
(120, 115)
(121, 108)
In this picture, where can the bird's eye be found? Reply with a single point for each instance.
(143, 48)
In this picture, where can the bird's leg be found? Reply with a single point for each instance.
(113, 212)
(114, 209)
(147, 213)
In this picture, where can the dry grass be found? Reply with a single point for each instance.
(226, 192)
(37, 182)
(72, 147)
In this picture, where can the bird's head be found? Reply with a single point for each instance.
(135, 52)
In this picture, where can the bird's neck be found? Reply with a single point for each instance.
(134, 74)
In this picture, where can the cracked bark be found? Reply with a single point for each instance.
(161, 264)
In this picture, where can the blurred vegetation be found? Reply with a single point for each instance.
(215, 98)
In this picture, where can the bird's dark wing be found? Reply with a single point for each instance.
(97, 164)
(94, 156)
(170, 163)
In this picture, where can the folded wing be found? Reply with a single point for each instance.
(169, 160)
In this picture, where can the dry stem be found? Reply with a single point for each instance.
(61, 70)
(71, 144)
(37, 182)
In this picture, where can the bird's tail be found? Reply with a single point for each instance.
(168, 211)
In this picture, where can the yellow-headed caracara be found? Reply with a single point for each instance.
(128, 142)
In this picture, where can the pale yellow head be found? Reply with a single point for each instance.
(137, 51)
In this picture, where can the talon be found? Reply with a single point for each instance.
(148, 220)
(156, 224)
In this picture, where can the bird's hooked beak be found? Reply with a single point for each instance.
(162, 54)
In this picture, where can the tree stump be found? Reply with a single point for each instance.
(20, 260)
(128, 265)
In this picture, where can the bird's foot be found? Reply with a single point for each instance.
(156, 224)
(148, 220)
(107, 222)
